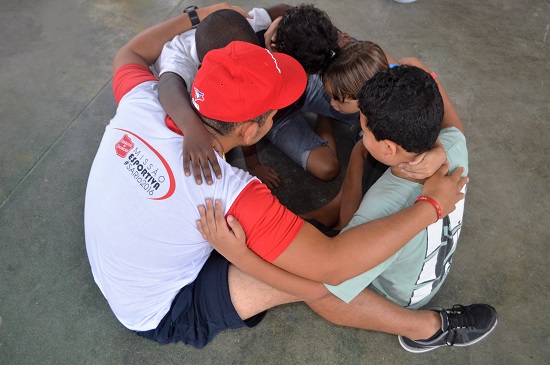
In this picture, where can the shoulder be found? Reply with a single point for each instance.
(128, 77)
(454, 144)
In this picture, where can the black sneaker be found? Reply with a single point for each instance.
(460, 326)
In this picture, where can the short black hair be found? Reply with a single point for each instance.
(220, 28)
(307, 34)
(403, 104)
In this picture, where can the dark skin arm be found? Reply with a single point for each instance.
(197, 148)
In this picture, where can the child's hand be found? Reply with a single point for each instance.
(445, 189)
(267, 175)
(199, 151)
(270, 35)
(228, 241)
(425, 164)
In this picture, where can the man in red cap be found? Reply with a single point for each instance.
(160, 277)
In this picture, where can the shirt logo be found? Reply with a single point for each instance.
(199, 96)
(146, 166)
(124, 146)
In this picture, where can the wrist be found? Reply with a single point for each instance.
(191, 11)
(432, 202)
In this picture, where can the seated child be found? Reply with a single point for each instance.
(403, 109)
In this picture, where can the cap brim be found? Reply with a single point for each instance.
(294, 80)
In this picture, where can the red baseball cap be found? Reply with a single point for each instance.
(242, 81)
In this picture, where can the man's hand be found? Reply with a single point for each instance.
(425, 164)
(270, 35)
(228, 241)
(445, 190)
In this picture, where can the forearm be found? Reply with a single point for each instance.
(147, 45)
(277, 10)
(355, 251)
(450, 116)
(278, 278)
(352, 192)
(176, 102)
(250, 155)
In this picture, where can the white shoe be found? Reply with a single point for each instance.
(404, 1)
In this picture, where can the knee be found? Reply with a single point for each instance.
(326, 169)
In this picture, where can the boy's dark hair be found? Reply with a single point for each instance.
(307, 34)
(224, 128)
(353, 65)
(220, 28)
(403, 105)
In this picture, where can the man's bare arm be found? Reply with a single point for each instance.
(319, 258)
(232, 245)
(147, 45)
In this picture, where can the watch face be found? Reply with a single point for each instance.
(189, 8)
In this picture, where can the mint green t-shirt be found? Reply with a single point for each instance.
(412, 276)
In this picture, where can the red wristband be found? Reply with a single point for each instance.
(423, 198)
(432, 74)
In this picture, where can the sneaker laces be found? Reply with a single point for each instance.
(458, 317)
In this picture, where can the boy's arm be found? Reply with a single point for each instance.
(450, 116)
(231, 243)
(266, 174)
(427, 162)
(277, 10)
(365, 246)
(147, 45)
(199, 144)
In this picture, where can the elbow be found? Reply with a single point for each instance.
(334, 277)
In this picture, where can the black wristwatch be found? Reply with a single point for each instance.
(192, 12)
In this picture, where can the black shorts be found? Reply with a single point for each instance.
(201, 309)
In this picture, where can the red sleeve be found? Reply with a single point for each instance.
(129, 76)
(269, 226)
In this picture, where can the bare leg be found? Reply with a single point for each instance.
(328, 214)
(338, 212)
(373, 312)
(323, 161)
(367, 311)
(250, 296)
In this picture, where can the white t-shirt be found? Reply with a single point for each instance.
(180, 54)
(140, 209)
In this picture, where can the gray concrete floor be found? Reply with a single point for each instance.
(492, 57)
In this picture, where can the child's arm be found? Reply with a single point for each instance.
(425, 162)
(199, 144)
(450, 116)
(266, 174)
(231, 243)
(173, 95)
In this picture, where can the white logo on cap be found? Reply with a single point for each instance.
(274, 60)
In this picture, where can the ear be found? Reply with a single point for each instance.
(390, 148)
(248, 132)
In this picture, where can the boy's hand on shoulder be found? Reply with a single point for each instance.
(425, 164)
(230, 241)
(445, 189)
(199, 151)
